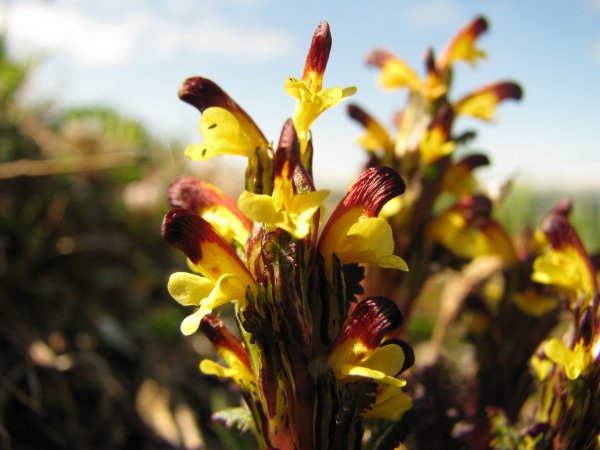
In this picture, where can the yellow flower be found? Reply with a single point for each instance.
(434, 145)
(482, 103)
(572, 361)
(462, 46)
(225, 126)
(376, 138)
(284, 209)
(390, 403)
(355, 233)
(221, 211)
(397, 74)
(459, 179)
(353, 359)
(435, 142)
(231, 349)
(359, 354)
(311, 98)
(226, 133)
(565, 263)
(224, 277)
(467, 230)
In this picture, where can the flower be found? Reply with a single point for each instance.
(286, 209)
(311, 98)
(435, 142)
(462, 46)
(467, 230)
(231, 349)
(376, 138)
(573, 361)
(354, 232)
(390, 403)
(564, 262)
(225, 126)
(397, 74)
(359, 353)
(459, 179)
(482, 103)
(224, 277)
(212, 205)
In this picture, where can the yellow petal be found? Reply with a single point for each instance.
(190, 324)
(373, 374)
(390, 403)
(189, 289)
(396, 74)
(371, 241)
(209, 367)
(388, 358)
(573, 361)
(259, 207)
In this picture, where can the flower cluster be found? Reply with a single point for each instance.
(322, 311)
(504, 293)
(313, 357)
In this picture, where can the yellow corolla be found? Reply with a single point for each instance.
(462, 46)
(284, 209)
(353, 359)
(359, 354)
(375, 138)
(434, 144)
(573, 361)
(213, 205)
(226, 132)
(223, 277)
(482, 103)
(232, 351)
(390, 403)
(564, 262)
(311, 98)
(354, 232)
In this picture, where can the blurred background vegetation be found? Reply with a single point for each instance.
(90, 350)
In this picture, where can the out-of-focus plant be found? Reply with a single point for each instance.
(88, 353)
(316, 368)
(490, 285)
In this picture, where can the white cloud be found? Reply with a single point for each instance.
(68, 30)
(431, 13)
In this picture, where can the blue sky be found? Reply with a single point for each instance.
(134, 54)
